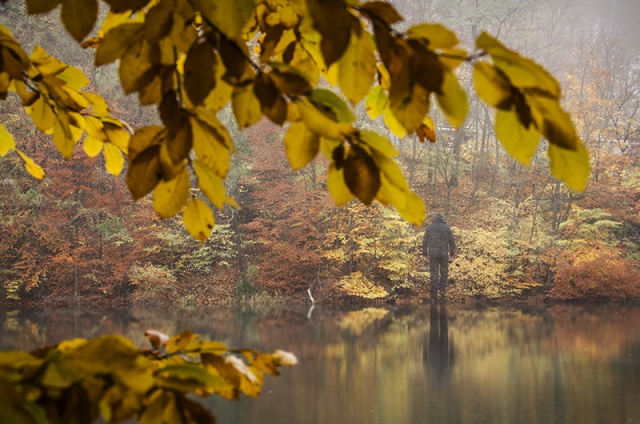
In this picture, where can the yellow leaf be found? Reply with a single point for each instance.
(32, 168)
(198, 219)
(412, 109)
(42, 115)
(92, 146)
(210, 143)
(395, 191)
(301, 145)
(116, 42)
(114, 161)
(221, 93)
(318, 122)
(117, 135)
(95, 128)
(552, 121)
(246, 107)
(227, 16)
(492, 85)
(357, 67)
(134, 64)
(6, 141)
(169, 197)
(376, 102)
(74, 78)
(336, 186)
(570, 166)
(212, 186)
(46, 64)
(439, 36)
(79, 16)
(62, 134)
(379, 143)
(393, 124)
(522, 72)
(518, 141)
(453, 100)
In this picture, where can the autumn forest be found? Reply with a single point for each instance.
(78, 236)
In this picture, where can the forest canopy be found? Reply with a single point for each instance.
(304, 65)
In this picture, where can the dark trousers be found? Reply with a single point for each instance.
(438, 272)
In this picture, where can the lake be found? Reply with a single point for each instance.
(400, 364)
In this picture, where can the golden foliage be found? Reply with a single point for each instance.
(356, 284)
(191, 58)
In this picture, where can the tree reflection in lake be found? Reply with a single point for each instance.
(558, 364)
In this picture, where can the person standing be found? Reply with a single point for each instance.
(439, 248)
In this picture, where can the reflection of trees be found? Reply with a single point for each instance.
(439, 353)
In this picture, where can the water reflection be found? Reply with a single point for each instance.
(447, 364)
(439, 353)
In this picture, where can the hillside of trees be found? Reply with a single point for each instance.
(78, 236)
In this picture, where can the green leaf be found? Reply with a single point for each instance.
(228, 16)
(453, 100)
(79, 16)
(114, 161)
(198, 219)
(570, 166)
(169, 197)
(301, 145)
(357, 67)
(6, 141)
(199, 72)
(518, 141)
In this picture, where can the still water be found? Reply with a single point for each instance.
(419, 364)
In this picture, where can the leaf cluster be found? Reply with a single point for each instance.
(79, 380)
(190, 58)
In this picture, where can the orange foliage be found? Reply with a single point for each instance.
(595, 273)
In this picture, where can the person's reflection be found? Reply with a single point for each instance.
(439, 352)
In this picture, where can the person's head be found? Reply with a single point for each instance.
(438, 217)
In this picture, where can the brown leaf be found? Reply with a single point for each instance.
(334, 22)
(199, 72)
(361, 175)
(144, 172)
(425, 133)
(382, 10)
